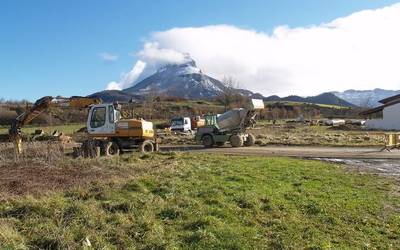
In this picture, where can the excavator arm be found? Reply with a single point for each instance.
(40, 106)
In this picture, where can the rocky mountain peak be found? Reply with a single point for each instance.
(184, 80)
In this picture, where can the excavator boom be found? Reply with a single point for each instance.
(39, 107)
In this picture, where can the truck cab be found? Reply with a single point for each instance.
(182, 124)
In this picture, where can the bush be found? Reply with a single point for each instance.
(7, 116)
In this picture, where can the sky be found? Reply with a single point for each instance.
(274, 47)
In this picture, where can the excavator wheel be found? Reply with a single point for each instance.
(146, 147)
(207, 141)
(111, 148)
(250, 140)
(236, 141)
(156, 147)
(88, 149)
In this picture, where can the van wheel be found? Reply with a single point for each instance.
(207, 141)
(111, 148)
(146, 147)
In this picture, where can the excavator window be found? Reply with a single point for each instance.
(111, 114)
(98, 118)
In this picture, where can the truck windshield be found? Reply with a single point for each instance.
(177, 122)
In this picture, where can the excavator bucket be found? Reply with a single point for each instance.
(18, 145)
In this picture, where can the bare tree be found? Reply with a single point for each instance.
(230, 95)
(151, 97)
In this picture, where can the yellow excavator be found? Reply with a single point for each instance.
(107, 132)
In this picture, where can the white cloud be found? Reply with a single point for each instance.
(153, 54)
(360, 51)
(128, 78)
(108, 57)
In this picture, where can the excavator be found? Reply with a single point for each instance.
(107, 131)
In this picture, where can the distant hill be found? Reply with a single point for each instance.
(324, 98)
(116, 96)
(366, 98)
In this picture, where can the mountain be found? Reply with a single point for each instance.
(116, 96)
(366, 98)
(184, 80)
(324, 98)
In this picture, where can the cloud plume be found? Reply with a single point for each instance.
(128, 78)
(359, 51)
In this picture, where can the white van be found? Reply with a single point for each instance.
(182, 124)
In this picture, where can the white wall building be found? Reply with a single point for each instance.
(390, 115)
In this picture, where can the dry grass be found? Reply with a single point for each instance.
(42, 167)
(300, 135)
(33, 153)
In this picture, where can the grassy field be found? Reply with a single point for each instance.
(202, 201)
(310, 104)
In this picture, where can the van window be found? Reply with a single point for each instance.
(98, 118)
(111, 113)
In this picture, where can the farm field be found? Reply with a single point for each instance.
(265, 132)
(302, 135)
(194, 201)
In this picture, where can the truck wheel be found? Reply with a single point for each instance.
(236, 141)
(111, 148)
(207, 141)
(146, 147)
(250, 140)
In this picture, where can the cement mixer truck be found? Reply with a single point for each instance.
(230, 127)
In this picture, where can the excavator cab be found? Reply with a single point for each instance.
(102, 119)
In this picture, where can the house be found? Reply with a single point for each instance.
(390, 110)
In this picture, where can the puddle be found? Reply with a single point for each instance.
(385, 167)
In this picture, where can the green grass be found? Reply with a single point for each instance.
(66, 129)
(309, 104)
(201, 201)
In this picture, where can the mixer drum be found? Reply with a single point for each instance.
(231, 120)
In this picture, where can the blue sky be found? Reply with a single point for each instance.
(52, 47)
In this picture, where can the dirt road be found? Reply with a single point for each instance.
(364, 159)
(296, 151)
